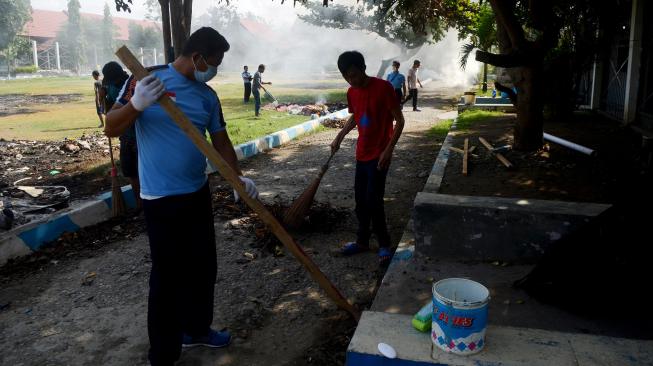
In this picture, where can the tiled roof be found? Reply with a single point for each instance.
(46, 24)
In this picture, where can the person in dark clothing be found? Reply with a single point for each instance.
(247, 81)
(114, 79)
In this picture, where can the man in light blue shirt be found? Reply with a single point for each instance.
(176, 195)
(398, 81)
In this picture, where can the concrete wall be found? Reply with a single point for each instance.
(489, 228)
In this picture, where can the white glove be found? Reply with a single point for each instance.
(250, 188)
(147, 91)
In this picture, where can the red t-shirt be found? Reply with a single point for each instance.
(372, 108)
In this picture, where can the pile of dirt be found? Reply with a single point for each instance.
(21, 103)
(321, 218)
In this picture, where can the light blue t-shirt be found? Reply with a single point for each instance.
(396, 79)
(168, 162)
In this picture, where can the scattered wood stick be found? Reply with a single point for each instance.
(455, 149)
(499, 156)
(465, 156)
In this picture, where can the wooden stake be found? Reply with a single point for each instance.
(230, 175)
(499, 156)
(465, 156)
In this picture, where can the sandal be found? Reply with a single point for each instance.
(385, 256)
(352, 248)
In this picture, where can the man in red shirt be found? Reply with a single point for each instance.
(374, 107)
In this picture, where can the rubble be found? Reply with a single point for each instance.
(317, 109)
(40, 177)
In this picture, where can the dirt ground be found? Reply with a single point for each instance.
(552, 173)
(83, 301)
(23, 103)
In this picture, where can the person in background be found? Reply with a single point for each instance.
(413, 81)
(398, 81)
(258, 83)
(247, 81)
(99, 96)
(374, 106)
(114, 78)
(176, 196)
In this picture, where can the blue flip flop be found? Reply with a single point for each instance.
(352, 248)
(385, 255)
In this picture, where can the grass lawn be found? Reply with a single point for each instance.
(469, 118)
(71, 120)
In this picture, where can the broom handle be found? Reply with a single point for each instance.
(230, 175)
(111, 154)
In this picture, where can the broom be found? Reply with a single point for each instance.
(295, 214)
(118, 206)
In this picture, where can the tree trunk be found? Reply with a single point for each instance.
(177, 26)
(528, 129)
(484, 77)
(165, 27)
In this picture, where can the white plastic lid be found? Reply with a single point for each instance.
(387, 350)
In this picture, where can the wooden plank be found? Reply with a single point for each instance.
(230, 176)
(455, 149)
(471, 149)
(499, 156)
(465, 156)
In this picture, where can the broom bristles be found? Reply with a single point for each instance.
(118, 206)
(296, 213)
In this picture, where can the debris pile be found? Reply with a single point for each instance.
(335, 122)
(318, 109)
(35, 176)
(321, 218)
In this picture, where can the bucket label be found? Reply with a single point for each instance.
(458, 330)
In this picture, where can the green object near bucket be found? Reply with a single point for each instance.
(54, 172)
(423, 319)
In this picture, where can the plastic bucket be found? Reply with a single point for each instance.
(459, 316)
(469, 99)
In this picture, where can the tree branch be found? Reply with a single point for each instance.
(507, 61)
(504, 11)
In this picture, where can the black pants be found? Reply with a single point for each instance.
(412, 94)
(369, 188)
(248, 92)
(400, 95)
(182, 246)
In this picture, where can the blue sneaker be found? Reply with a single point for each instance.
(214, 339)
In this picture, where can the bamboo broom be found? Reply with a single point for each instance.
(297, 212)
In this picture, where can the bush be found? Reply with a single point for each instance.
(25, 69)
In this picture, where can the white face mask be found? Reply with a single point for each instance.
(205, 76)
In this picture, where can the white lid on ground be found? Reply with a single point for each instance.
(387, 350)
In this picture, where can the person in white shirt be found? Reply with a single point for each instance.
(247, 80)
(413, 81)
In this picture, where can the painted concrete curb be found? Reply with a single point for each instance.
(268, 142)
(30, 237)
(506, 346)
(26, 239)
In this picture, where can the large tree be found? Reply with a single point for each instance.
(13, 16)
(387, 19)
(176, 17)
(71, 38)
(107, 31)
